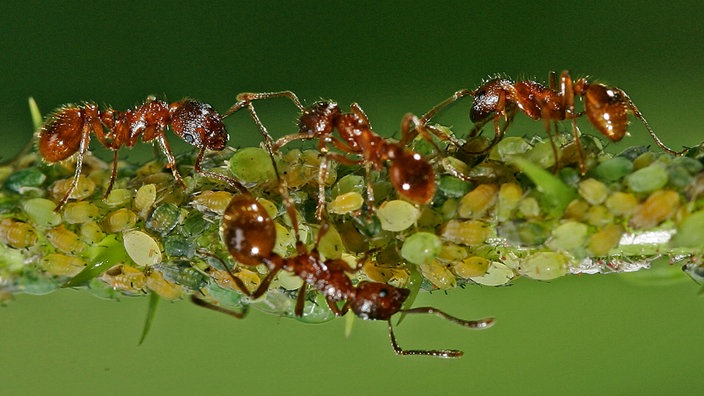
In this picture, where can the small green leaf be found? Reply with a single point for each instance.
(105, 254)
(151, 312)
(556, 193)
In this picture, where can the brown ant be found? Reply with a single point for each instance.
(410, 174)
(249, 234)
(606, 107)
(67, 132)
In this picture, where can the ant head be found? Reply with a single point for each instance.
(412, 177)
(247, 230)
(377, 301)
(198, 124)
(486, 98)
(318, 119)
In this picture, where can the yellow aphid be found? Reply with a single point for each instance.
(593, 191)
(577, 210)
(658, 207)
(599, 216)
(287, 280)
(250, 279)
(64, 240)
(142, 248)
(544, 265)
(602, 241)
(80, 212)
(269, 206)
(17, 234)
(452, 252)
(91, 233)
(346, 203)
(510, 195)
(477, 202)
(397, 215)
(84, 189)
(40, 211)
(164, 288)
(470, 233)
(528, 207)
(212, 201)
(471, 267)
(330, 245)
(125, 278)
(438, 274)
(395, 276)
(144, 199)
(119, 220)
(118, 197)
(58, 264)
(621, 203)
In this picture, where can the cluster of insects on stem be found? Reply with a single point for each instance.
(346, 137)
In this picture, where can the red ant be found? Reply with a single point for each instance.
(410, 174)
(606, 107)
(67, 132)
(249, 234)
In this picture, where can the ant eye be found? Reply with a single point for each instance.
(188, 138)
(383, 293)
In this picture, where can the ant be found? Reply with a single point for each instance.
(249, 234)
(410, 174)
(68, 130)
(607, 108)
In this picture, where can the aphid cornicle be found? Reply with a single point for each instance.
(67, 132)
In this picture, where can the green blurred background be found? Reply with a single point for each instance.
(629, 334)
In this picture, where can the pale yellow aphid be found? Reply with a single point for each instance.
(476, 203)
(17, 234)
(125, 278)
(84, 189)
(142, 248)
(58, 264)
(64, 240)
(79, 212)
(120, 220)
(212, 201)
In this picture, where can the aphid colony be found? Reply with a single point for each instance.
(300, 233)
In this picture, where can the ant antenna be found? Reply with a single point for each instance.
(442, 353)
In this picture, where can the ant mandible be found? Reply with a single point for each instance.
(607, 108)
(67, 132)
(410, 174)
(249, 234)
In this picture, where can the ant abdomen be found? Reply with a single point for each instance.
(247, 230)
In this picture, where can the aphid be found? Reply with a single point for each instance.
(17, 234)
(410, 174)
(606, 107)
(249, 234)
(62, 265)
(64, 240)
(125, 278)
(68, 131)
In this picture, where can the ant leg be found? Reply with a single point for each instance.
(170, 160)
(431, 113)
(232, 182)
(113, 176)
(205, 304)
(300, 300)
(82, 149)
